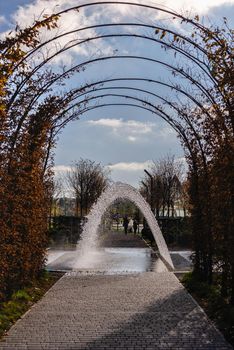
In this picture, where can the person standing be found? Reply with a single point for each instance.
(135, 226)
(130, 225)
(125, 224)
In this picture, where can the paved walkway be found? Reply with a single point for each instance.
(136, 312)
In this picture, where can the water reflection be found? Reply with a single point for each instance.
(107, 260)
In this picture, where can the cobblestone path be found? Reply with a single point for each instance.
(128, 312)
(145, 311)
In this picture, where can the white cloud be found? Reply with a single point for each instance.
(114, 13)
(133, 172)
(130, 130)
(112, 123)
(132, 138)
(72, 20)
(61, 169)
(34, 10)
(166, 132)
(196, 6)
(124, 166)
(128, 172)
(133, 130)
(129, 166)
(2, 20)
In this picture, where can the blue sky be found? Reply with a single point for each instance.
(125, 138)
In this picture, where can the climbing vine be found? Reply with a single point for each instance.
(35, 105)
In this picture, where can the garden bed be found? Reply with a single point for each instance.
(218, 308)
(20, 301)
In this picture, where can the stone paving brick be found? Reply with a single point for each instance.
(136, 312)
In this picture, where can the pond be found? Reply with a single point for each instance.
(107, 261)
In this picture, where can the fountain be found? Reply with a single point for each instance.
(89, 239)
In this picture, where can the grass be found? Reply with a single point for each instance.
(218, 309)
(20, 301)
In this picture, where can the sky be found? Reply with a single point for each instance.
(124, 138)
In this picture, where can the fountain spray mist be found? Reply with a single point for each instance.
(88, 244)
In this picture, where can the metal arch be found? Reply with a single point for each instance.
(177, 127)
(147, 59)
(183, 115)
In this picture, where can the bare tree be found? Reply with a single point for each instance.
(166, 188)
(167, 172)
(87, 180)
(57, 193)
(184, 197)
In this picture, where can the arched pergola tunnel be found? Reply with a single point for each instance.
(117, 191)
(188, 91)
(69, 45)
(82, 99)
(107, 92)
(183, 77)
(164, 106)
